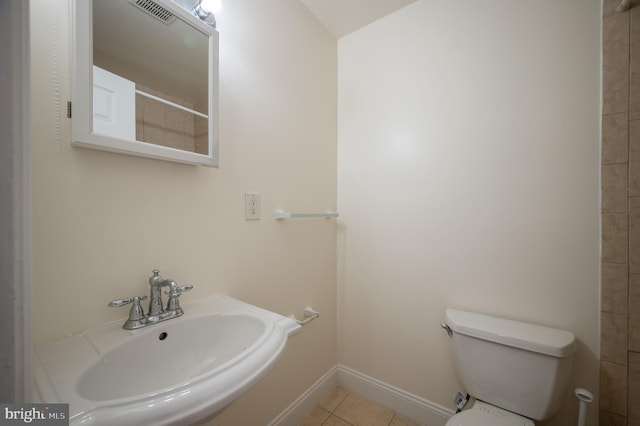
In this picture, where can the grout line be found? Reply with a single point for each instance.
(338, 406)
(341, 401)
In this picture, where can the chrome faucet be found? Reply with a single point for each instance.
(156, 282)
(157, 312)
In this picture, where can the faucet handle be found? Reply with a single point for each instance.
(173, 304)
(136, 313)
(123, 302)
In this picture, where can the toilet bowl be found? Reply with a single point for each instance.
(518, 372)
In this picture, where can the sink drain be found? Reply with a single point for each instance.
(162, 336)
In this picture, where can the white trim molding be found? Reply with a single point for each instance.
(414, 407)
(295, 413)
(418, 409)
(15, 203)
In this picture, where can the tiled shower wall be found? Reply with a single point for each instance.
(165, 125)
(620, 176)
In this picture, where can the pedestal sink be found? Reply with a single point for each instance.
(175, 372)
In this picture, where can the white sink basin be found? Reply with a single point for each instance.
(175, 353)
(174, 372)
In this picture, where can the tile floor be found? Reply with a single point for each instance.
(344, 408)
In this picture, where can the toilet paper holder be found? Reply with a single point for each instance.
(309, 315)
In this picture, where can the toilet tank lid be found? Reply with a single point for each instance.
(531, 337)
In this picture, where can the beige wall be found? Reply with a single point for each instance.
(102, 221)
(468, 170)
(468, 149)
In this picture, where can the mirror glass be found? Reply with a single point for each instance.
(150, 87)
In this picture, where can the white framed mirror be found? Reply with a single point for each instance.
(145, 80)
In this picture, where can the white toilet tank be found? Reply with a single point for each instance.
(521, 367)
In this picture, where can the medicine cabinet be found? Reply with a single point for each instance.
(144, 80)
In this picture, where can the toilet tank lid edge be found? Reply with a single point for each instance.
(532, 337)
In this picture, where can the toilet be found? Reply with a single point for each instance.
(517, 372)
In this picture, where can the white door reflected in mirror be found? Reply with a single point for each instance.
(114, 105)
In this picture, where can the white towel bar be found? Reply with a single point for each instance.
(280, 214)
(173, 104)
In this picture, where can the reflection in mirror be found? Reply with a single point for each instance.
(151, 69)
(166, 60)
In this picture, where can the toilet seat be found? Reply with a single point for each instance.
(483, 414)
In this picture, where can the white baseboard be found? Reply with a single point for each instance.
(417, 409)
(300, 409)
